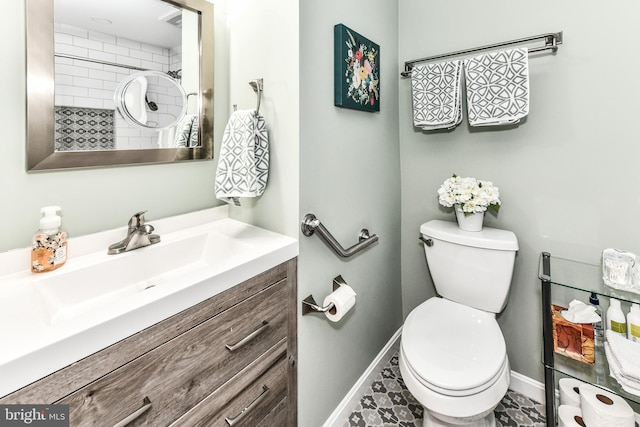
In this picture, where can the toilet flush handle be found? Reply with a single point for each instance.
(426, 241)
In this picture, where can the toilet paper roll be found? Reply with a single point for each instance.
(569, 391)
(603, 409)
(343, 299)
(570, 416)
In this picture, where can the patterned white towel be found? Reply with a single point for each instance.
(243, 166)
(498, 87)
(437, 96)
(183, 131)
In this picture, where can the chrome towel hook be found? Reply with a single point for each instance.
(258, 86)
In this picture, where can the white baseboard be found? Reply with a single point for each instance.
(531, 388)
(342, 411)
(522, 384)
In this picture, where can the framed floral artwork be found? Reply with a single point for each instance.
(356, 70)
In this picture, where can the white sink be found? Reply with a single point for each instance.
(95, 283)
(53, 319)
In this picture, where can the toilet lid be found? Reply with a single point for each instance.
(452, 346)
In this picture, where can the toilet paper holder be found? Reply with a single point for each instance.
(309, 304)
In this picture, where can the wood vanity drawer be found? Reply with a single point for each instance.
(256, 393)
(182, 372)
(257, 402)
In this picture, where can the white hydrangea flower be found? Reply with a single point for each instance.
(474, 196)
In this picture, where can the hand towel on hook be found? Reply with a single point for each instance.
(243, 166)
(437, 97)
(497, 87)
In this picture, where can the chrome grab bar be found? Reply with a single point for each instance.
(310, 224)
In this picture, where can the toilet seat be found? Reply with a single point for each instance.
(453, 349)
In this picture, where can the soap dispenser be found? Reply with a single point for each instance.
(49, 247)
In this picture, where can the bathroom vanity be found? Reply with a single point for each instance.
(225, 359)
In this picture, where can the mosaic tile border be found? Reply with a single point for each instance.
(83, 129)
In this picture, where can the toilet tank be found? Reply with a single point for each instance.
(471, 268)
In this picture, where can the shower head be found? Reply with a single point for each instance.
(152, 105)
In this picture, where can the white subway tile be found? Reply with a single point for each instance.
(151, 48)
(64, 79)
(71, 70)
(87, 102)
(134, 53)
(113, 48)
(63, 100)
(128, 43)
(117, 70)
(71, 50)
(87, 64)
(89, 44)
(102, 56)
(162, 59)
(85, 82)
(100, 94)
(63, 38)
(61, 60)
(128, 131)
(151, 65)
(165, 99)
(127, 60)
(102, 75)
(109, 85)
(102, 37)
(71, 90)
(121, 142)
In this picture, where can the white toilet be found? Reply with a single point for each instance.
(453, 357)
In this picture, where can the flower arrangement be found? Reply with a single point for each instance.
(473, 195)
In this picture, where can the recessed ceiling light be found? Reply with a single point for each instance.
(103, 21)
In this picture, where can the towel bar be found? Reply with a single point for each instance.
(310, 224)
(551, 42)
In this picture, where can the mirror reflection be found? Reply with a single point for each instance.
(119, 72)
(79, 52)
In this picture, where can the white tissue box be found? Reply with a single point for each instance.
(574, 340)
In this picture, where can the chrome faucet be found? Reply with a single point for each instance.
(139, 235)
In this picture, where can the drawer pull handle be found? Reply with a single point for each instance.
(146, 405)
(245, 411)
(244, 341)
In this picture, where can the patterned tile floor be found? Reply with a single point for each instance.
(387, 402)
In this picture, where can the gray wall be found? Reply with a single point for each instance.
(260, 49)
(349, 163)
(568, 176)
(96, 199)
